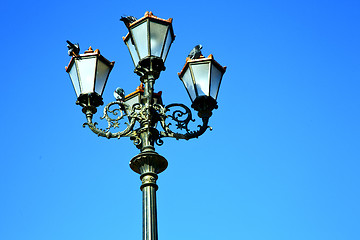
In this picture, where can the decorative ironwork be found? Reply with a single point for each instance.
(142, 115)
(112, 122)
(175, 115)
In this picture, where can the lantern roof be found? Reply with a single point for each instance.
(150, 15)
(201, 59)
(88, 53)
(140, 89)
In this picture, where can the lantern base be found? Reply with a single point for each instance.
(150, 66)
(204, 105)
(90, 99)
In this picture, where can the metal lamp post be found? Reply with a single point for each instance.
(149, 40)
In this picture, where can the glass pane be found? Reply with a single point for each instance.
(131, 101)
(75, 79)
(189, 85)
(140, 36)
(201, 74)
(168, 42)
(216, 76)
(157, 38)
(86, 66)
(132, 50)
(102, 73)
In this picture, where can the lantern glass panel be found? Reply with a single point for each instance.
(157, 34)
(201, 74)
(216, 76)
(132, 50)
(75, 79)
(140, 36)
(102, 73)
(86, 67)
(169, 40)
(189, 84)
(131, 101)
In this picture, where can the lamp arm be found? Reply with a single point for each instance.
(112, 122)
(182, 118)
(202, 129)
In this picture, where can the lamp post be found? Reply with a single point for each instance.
(149, 40)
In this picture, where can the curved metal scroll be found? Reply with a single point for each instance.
(182, 117)
(116, 111)
(113, 122)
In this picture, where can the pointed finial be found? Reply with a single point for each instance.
(90, 50)
(140, 88)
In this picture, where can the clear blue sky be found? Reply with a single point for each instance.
(282, 162)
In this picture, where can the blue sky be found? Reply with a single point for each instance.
(281, 163)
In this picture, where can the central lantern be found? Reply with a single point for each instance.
(149, 40)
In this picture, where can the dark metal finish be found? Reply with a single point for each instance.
(143, 118)
(90, 99)
(147, 114)
(150, 66)
(149, 164)
(204, 105)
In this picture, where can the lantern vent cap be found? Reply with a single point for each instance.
(150, 14)
(201, 59)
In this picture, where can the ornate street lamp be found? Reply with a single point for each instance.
(149, 40)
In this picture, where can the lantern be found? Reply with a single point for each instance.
(89, 73)
(202, 79)
(149, 37)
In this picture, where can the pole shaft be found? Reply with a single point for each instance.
(149, 213)
(148, 189)
(149, 164)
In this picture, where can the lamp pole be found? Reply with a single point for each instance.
(149, 40)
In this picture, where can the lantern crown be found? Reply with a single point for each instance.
(201, 59)
(150, 14)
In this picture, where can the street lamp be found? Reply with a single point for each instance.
(148, 40)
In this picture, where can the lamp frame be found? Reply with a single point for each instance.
(148, 121)
(202, 60)
(92, 98)
(149, 64)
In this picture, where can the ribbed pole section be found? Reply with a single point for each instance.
(148, 165)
